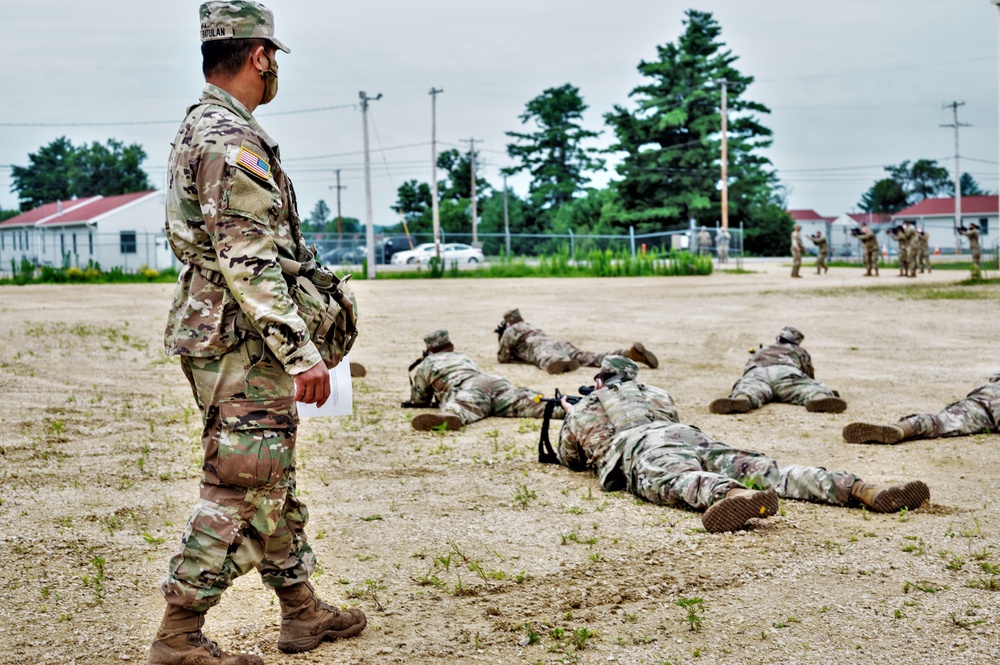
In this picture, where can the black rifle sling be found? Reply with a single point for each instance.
(545, 453)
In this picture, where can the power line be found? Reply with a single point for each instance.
(174, 121)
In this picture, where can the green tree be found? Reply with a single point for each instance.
(924, 179)
(319, 216)
(413, 198)
(554, 154)
(886, 196)
(671, 139)
(969, 186)
(7, 214)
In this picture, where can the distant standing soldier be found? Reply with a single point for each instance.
(869, 244)
(522, 341)
(464, 392)
(972, 233)
(797, 249)
(979, 412)
(923, 249)
(722, 245)
(904, 235)
(782, 372)
(821, 252)
(704, 240)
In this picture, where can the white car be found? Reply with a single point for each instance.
(455, 252)
(415, 255)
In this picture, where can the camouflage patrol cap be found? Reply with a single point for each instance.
(790, 334)
(437, 340)
(512, 316)
(615, 369)
(237, 19)
(995, 378)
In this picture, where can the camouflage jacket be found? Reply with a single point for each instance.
(973, 236)
(869, 241)
(821, 245)
(989, 397)
(231, 213)
(908, 239)
(924, 243)
(704, 239)
(797, 245)
(782, 354)
(518, 342)
(588, 439)
(440, 373)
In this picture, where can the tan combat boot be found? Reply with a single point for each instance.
(425, 422)
(358, 370)
(731, 405)
(179, 641)
(640, 354)
(911, 496)
(826, 405)
(738, 507)
(562, 366)
(871, 433)
(306, 620)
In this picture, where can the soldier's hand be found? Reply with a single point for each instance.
(313, 385)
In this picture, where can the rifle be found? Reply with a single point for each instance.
(545, 453)
(501, 327)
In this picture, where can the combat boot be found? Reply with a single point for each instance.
(640, 354)
(425, 422)
(826, 405)
(562, 366)
(306, 620)
(179, 641)
(911, 496)
(725, 405)
(358, 370)
(871, 433)
(738, 507)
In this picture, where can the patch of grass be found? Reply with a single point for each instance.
(970, 289)
(692, 606)
(523, 496)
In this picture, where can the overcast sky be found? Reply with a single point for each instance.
(852, 85)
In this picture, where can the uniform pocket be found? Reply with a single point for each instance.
(256, 441)
(209, 534)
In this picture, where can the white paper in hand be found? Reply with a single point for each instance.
(341, 402)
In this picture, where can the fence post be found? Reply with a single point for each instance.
(572, 245)
(739, 257)
(631, 239)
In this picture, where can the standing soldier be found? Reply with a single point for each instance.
(231, 221)
(972, 233)
(869, 244)
(704, 240)
(923, 249)
(821, 252)
(797, 249)
(722, 246)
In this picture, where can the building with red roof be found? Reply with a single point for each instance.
(937, 218)
(124, 231)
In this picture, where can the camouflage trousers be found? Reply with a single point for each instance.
(924, 260)
(871, 259)
(546, 351)
(905, 260)
(964, 417)
(796, 261)
(820, 262)
(247, 515)
(484, 395)
(679, 465)
(779, 383)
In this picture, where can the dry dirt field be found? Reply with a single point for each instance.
(459, 546)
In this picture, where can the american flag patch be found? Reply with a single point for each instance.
(254, 164)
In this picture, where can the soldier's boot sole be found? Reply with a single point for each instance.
(562, 366)
(826, 405)
(733, 512)
(644, 355)
(725, 405)
(869, 433)
(911, 496)
(162, 655)
(310, 642)
(426, 422)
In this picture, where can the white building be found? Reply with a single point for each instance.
(125, 231)
(811, 222)
(937, 216)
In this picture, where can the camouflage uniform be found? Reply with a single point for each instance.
(979, 412)
(904, 239)
(972, 233)
(628, 434)
(704, 241)
(923, 251)
(722, 246)
(782, 372)
(797, 249)
(464, 390)
(821, 253)
(528, 343)
(870, 244)
(231, 214)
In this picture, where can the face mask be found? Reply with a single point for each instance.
(270, 81)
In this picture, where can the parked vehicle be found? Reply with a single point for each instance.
(455, 252)
(415, 255)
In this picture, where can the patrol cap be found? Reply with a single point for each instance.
(995, 378)
(512, 316)
(437, 340)
(615, 369)
(790, 334)
(237, 19)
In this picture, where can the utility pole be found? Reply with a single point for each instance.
(472, 170)
(506, 217)
(958, 172)
(340, 223)
(435, 210)
(725, 159)
(369, 218)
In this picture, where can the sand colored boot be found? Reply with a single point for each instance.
(640, 354)
(426, 422)
(871, 433)
(179, 641)
(306, 620)
(880, 499)
(826, 405)
(725, 405)
(739, 506)
(562, 366)
(358, 370)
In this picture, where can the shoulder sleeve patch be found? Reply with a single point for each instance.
(253, 163)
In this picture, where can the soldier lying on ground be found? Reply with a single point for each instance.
(519, 340)
(782, 372)
(629, 435)
(979, 412)
(464, 391)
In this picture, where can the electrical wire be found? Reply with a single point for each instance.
(128, 123)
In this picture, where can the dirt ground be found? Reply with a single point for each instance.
(459, 546)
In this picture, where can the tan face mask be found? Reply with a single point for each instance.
(270, 81)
